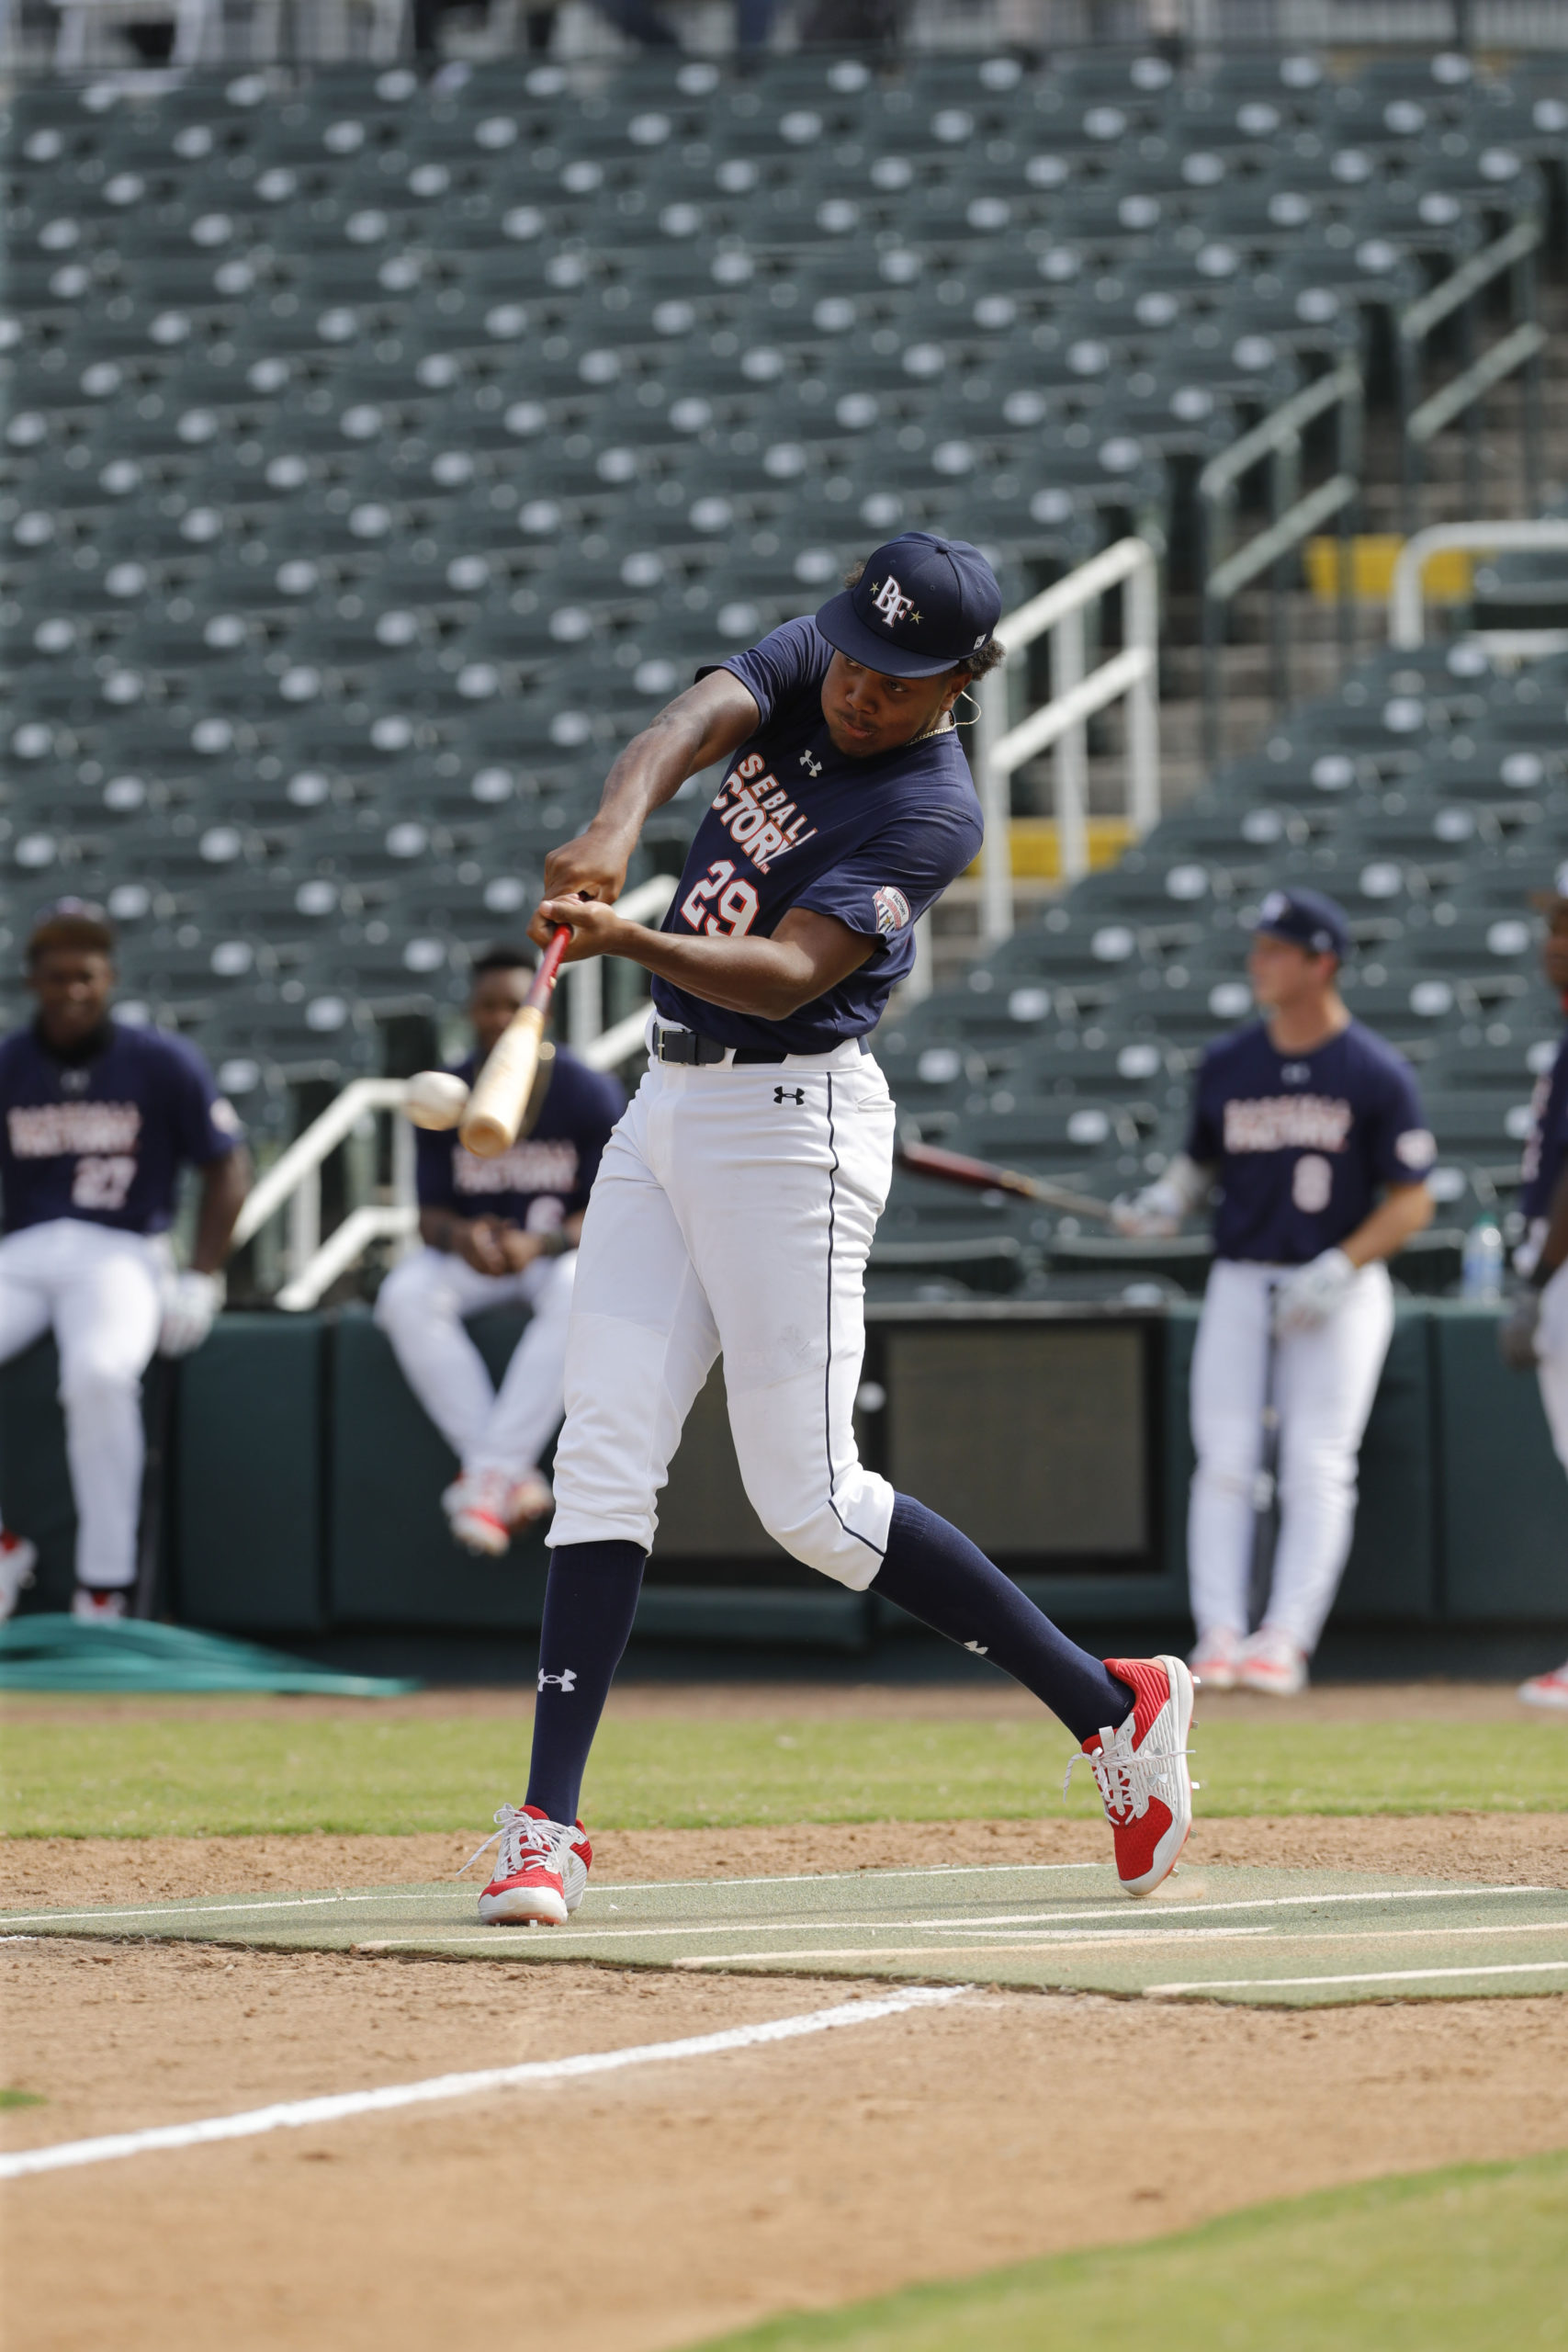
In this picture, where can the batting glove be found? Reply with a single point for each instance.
(1518, 1334)
(1309, 1296)
(189, 1305)
(1152, 1215)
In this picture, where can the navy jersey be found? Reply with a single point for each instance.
(544, 1177)
(871, 842)
(1303, 1142)
(1548, 1140)
(104, 1139)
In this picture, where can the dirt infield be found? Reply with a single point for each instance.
(652, 2208)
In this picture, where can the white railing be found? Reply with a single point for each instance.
(294, 1180)
(1406, 598)
(1000, 750)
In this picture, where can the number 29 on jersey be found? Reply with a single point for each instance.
(720, 905)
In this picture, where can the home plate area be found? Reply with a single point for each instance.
(1292, 1938)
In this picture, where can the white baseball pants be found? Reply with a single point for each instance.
(1325, 1381)
(101, 1293)
(1551, 1351)
(421, 1307)
(733, 1213)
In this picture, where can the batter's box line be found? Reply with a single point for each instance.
(1366, 1976)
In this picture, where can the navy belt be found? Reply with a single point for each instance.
(696, 1051)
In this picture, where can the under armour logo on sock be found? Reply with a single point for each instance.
(565, 1681)
(981, 1649)
(789, 1095)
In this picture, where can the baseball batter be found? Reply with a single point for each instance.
(493, 1231)
(1535, 1335)
(1310, 1126)
(735, 1203)
(97, 1120)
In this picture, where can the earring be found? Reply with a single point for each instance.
(963, 695)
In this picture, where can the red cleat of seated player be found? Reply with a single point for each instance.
(1141, 1770)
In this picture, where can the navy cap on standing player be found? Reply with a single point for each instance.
(1308, 918)
(921, 605)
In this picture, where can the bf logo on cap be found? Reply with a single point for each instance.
(891, 601)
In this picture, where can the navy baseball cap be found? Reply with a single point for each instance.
(920, 605)
(1308, 918)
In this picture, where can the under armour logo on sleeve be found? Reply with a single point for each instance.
(789, 1095)
(564, 1682)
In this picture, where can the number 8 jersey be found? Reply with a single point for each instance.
(870, 841)
(1304, 1143)
(102, 1135)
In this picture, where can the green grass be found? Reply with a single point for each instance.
(171, 1775)
(19, 2098)
(1465, 2260)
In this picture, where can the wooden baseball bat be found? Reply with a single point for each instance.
(489, 1127)
(984, 1176)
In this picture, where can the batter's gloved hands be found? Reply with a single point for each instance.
(190, 1303)
(1517, 1333)
(1307, 1298)
(1152, 1215)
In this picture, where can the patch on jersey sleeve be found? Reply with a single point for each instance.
(892, 910)
(1416, 1147)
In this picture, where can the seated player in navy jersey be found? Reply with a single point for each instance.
(97, 1120)
(1311, 1129)
(498, 1229)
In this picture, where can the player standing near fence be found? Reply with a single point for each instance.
(1310, 1128)
(495, 1230)
(96, 1119)
(737, 1200)
(1535, 1336)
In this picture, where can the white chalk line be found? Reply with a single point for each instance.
(1367, 1976)
(294, 2114)
(1058, 1940)
(442, 1894)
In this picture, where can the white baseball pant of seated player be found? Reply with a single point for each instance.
(744, 1223)
(423, 1307)
(101, 1292)
(1325, 1381)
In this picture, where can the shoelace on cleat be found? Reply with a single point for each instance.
(521, 1836)
(1126, 1777)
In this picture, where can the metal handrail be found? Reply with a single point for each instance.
(1275, 440)
(1406, 601)
(1000, 751)
(1420, 423)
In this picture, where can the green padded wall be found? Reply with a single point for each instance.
(1504, 1498)
(247, 1478)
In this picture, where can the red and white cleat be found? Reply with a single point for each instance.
(1271, 1662)
(478, 1508)
(98, 1606)
(529, 1500)
(1141, 1770)
(1547, 1689)
(1216, 1658)
(18, 1559)
(541, 1872)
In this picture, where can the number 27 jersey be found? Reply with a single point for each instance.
(870, 841)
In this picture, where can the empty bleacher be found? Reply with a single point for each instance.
(378, 454)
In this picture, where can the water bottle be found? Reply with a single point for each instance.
(1481, 1274)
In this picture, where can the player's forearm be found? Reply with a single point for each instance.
(224, 1183)
(769, 978)
(1405, 1211)
(699, 727)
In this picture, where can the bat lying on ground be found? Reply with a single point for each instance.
(492, 1113)
(930, 1159)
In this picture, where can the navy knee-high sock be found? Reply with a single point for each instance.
(941, 1577)
(590, 1602)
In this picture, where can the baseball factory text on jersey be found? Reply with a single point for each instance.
(546, 1176)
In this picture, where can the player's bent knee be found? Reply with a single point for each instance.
(822, 1542)
(89, 1387)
